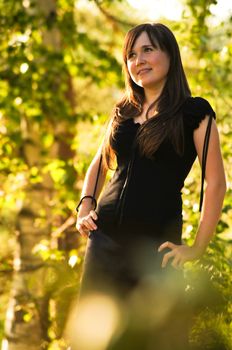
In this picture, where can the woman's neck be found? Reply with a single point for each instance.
(152, 94)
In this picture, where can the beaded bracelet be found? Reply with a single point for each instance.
(93, 201)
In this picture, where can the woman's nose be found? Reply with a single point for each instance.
(139, 59)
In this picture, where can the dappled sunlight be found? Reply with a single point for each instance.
(171, 9)
(101, 321)
(154, 300)
(26, 3)
(94, 322)
(24, 68)
(73, 260)
(5, 344)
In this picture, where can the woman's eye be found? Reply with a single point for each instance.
(148, 49)
(131, 55)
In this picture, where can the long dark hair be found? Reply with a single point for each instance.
(168, 121)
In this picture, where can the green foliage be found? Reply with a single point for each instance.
(60, 74)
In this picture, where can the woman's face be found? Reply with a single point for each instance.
(147, 65)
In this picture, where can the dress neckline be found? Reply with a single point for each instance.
(137, 123)
(133, 122)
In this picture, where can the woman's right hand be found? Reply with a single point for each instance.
(85, 223)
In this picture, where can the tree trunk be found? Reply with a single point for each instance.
(27, 318)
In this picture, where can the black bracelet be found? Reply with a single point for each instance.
(93, 201)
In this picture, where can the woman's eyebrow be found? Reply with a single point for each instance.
(147, 45)
(144, 47)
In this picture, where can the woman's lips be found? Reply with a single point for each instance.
(143, 71)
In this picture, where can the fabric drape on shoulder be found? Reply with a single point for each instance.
(195, 109)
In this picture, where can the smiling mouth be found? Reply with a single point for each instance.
(143, 71)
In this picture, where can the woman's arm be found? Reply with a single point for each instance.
(86, 216)
(213, 199)
(215, 185)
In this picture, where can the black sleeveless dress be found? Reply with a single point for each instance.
(137, 213)
(149, 202)
(140, 208)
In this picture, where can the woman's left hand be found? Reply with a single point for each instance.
(179, 253)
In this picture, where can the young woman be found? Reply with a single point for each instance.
(155, 134)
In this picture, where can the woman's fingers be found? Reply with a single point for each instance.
(166, 258)
(84, 232)
(93, 214)
(81, 229)
(179, 253)
(86, 224)
(177, 262)
(167, 244)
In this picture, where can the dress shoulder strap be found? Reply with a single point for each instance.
(97, 178)
(204, 158)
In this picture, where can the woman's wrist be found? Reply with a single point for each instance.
(88, 201)
(199, 248)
